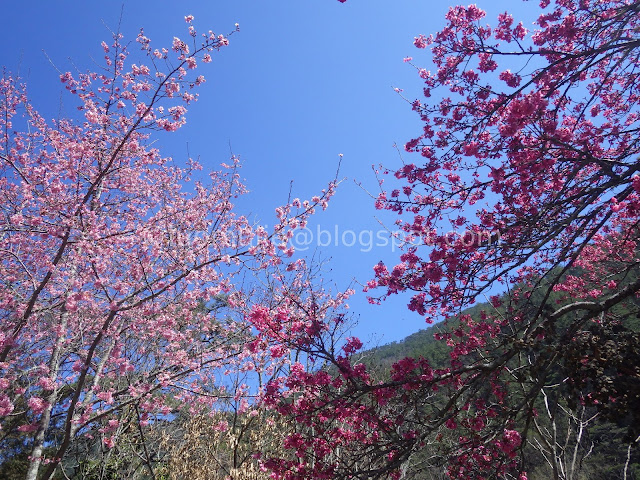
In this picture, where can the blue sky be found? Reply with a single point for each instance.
(302, 82)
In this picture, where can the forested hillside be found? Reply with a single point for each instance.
(591, 440)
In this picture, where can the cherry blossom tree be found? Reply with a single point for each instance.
(130, 287)
(524, 180)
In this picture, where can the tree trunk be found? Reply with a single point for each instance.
(45, 420)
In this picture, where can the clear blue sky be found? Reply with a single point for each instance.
(300, 83)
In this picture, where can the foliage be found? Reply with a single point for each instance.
(109, 252)
(125, 306)
(596, 438)
(528, 181)
(208, 452)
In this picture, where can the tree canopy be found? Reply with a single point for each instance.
(524, 178)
